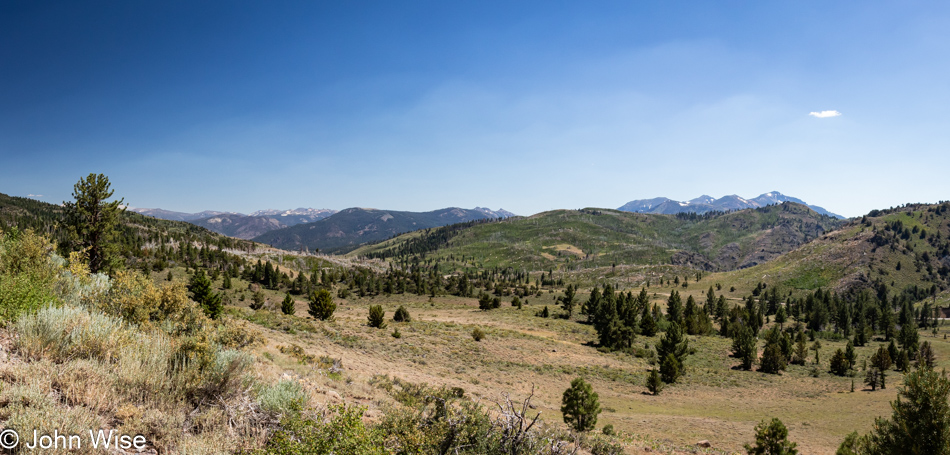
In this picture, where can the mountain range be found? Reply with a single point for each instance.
(240, 225)
(706, 203)
(352, 227)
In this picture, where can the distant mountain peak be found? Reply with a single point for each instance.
(706, 203)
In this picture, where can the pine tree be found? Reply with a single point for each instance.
(675, 345)
(580, 406)
(839, 363)
(226, 284)
(921, 419)
(210, 301)
(744, 347)
(287, 306)
(771, 439)
(377, 317)
(674, 308)
(401, 315)
(321, 305)
(654, 382)
(568, 300)
(90, 221)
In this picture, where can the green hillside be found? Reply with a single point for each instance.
(349, 228)
(906, 249)
(135, 231)
(588, 238)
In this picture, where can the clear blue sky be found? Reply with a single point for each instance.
(528, 106)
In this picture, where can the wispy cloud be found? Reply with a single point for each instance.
(825, 114)
(34, 195)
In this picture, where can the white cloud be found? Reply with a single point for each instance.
(34, 195)
(824, 114)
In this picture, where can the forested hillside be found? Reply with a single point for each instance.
(577, 239)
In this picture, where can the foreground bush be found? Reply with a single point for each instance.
(27, 273)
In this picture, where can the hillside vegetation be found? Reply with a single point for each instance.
(577, 239)
(905, 249)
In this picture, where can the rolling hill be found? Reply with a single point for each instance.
(907, 249)
(354, 226)
(572, 239)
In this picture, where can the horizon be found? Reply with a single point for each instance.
(525, 107)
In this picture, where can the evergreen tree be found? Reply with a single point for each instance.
(654, 382)
(850, 355)
(881, 360)
(377, 317)
(926, 357)
(744, 346)
(402, 315)
(321, 305)
(839, 363)
(210, 301)
(675, 345)
(920, 423)
(580, 406)
(227, 282)
(773, 358)
(648, 326)
(568, 300)
(674, 308)
(287, 306)
(771, 439)
(669, 369)
(90, 221)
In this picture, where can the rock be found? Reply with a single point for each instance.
(554, 350)
(703, 443)
(334, 396)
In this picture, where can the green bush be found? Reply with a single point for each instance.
(27, 274)
(282, 398)
(478, 334)
(342, 432)
(402, 315)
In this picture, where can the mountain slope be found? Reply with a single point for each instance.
(903, 249)
(260, 222)
(706, 203)
(178, 216)
(571, 239)
(349, 228)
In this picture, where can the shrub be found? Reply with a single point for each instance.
(396, 333)
(377, 317)
(608, 430)
(342, 431)
(402, 315)
(580, 406)
(60, 334)
(321, 305)
(284, 397)
(478, 334)
(27, 273)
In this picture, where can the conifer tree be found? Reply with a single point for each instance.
(921, 419)
(210, 301)
(321, 305)
(580, 406)
(377, 317)
(568, 300)
(287, 305)
(771, 439)
(654, 382)
(90, 221)
(674, 345)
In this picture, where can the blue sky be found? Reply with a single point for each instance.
(529, 106)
